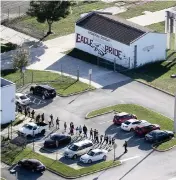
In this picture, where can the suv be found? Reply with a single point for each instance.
(122, 117)
(78, 149)
(44, 91)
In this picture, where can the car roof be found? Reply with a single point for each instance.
(157, 131)
(80, 143)
(45, 86)
(59, 135)
(132, 120)
(19, 94)
(122, 114)
(31, 124)
(98, 150)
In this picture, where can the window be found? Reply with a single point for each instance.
(73, 147)
(91, 153)
(35, 127)
(127, 123)
(23, 97)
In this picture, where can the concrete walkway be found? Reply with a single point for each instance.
(15, 37)
(150, 18)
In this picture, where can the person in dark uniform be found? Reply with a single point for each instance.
(28, 110)
(20, 110)
(125, 146)
(110, 140)
(96, 137)
(113, 141)
(101, 139)
(65, 126)
(94, 133)
(25, 112)
(85, 131)
(38, 118)
(51, 117)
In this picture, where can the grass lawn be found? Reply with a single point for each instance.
(63, 85)
(12, 154)
(62, 27)
(150, 6)
(158, 74)
(142, 113)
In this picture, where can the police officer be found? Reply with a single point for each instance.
(85, 131)
(125, 146)
(101, 139)
(32, 113)
(65, 126)
(91, 133)
(113, 141)
(51, 117)
(43, 117)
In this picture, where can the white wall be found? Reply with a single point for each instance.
(86, 40)
(7, 97)
(150, 48)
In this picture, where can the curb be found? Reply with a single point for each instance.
(72, 94)
(98, 114)
(161, 90)
(74, 177)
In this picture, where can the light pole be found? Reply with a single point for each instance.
(175, 114)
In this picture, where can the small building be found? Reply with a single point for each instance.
(7, 96)
(119, 41)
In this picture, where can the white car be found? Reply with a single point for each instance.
(22, 99)
(94, 155)
(131, 124)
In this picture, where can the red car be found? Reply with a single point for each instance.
(141, 131)
(122, 117)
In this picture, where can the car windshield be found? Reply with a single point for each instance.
(53, 137)
(51, 91)
(91, 153)
(23, 97)
(73, 147)
(28, 126)
(127, 122)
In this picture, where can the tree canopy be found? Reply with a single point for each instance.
(49, 11)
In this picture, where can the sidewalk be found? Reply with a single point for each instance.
(150, 18)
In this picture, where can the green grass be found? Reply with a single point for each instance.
(17, 122)
(142, 113)
(63, 85)
(12, 154)
(62, 27)
(150, 6)
(158, 74)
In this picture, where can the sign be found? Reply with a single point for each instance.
(102, 49)
(90, 71)
(115, 145)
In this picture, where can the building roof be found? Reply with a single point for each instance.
(5, 82)
(112, 27)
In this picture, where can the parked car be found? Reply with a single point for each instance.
(22, 99)
(56, 140)
(45, 91)
(94, 155)
(146, 128)
(131, 124)
(159, 135)
(122, 117)
(78, 149)
(32, 129)
(32, 164)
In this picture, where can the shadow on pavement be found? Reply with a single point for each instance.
(69, 161)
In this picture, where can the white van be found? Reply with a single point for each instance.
(78, 149)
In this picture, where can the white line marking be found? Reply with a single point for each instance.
(105, 122)
(134, 157)
(39, 102)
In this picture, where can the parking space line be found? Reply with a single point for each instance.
(105, 122)
(127, 159)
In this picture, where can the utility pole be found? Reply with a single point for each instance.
(175, 114)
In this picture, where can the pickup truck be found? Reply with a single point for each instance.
(32, 129)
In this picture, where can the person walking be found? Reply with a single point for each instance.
(113, 141)
(25, 112)
(43, 117)
(51, 117)
(96, 137)
(38, 118)
(101, 139)
(85, 131)
(94, 133)
(65, 126)
(57, 123)
(77, 130)
(91, 133)
(29, 111)
(110, 140)
(20, 109)
(32, 113)
(125, 147)
(80, 130)
(49, 122)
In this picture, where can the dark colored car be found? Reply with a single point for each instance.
(56, 140)
(159, 135)
(146, 128)
(32, 164)
(122, 117)
(45, 91)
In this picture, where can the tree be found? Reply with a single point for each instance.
(49, 11)
(20, 59)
